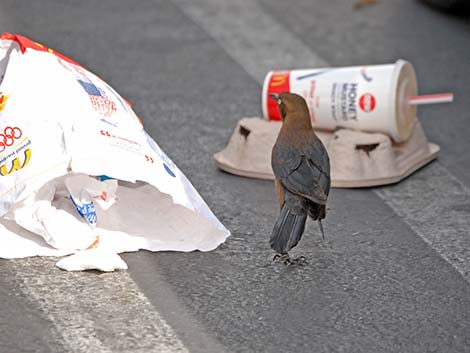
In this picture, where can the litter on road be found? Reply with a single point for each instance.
(78, 172)
(366, 116)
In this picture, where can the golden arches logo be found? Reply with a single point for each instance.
(3, 100)
(278, 80)
(16, 164)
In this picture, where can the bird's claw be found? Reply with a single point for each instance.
(287, 260)
(280, 258)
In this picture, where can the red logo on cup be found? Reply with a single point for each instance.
(367, 102)
(278, 82)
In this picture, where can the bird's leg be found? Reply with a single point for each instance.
(321, 229)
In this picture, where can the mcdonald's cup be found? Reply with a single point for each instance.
(367, 98)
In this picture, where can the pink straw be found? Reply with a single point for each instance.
(431, 99)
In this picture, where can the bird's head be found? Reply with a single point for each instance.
(290, 103)
(280, 103)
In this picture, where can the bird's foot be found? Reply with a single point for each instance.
(284, 258)
(287, 260)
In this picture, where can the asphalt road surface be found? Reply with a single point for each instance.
(393, 274)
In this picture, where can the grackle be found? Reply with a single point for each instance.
(302, 175)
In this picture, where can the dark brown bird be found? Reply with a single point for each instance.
(301, 168)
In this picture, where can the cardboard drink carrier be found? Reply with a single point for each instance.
(364, 115)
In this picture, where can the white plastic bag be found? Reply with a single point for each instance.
(62, 129)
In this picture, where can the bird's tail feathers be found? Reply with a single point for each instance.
(287, 230)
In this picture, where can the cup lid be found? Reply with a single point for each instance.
(405, 84)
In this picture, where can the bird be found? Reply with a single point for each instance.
(301, 168)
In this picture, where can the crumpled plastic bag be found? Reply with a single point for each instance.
(78, 171)
(92, 259)
(63, 211)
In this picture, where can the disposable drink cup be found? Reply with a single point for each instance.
(368, 98)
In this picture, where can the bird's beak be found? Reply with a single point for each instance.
(274, 96)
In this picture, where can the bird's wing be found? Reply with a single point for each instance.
(303, 171)
(279, 192)
(284, 160)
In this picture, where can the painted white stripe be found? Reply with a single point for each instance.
(249, 35)
(433, 203)
(436, 205)
(95, 313)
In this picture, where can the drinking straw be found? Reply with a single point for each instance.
(431, 99)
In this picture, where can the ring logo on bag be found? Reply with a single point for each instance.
(8, 137)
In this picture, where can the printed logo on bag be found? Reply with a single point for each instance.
(87, 210)
(8, 137)
(99, 100)
(98, 97)
(3, 100)
(103, 103)
(367, 102)
(18, 155)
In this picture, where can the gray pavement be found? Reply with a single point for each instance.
(393, 273)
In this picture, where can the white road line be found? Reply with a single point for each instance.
(436, 205)
(252, 37)
(433, 203)
(95, 313)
